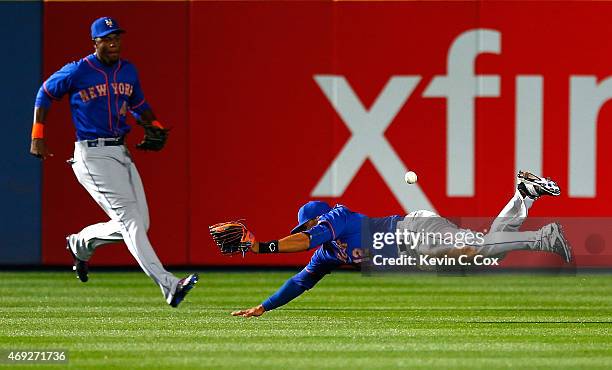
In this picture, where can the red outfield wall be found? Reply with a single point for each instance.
(264, 96)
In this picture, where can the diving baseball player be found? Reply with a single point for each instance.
(102, 89)
(339, 232)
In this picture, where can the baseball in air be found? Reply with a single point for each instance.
(410, 177)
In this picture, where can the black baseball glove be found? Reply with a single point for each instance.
(154, 139)
(232, 237)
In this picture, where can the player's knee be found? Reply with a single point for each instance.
(452, 251)
(130, 215)
(468, 251)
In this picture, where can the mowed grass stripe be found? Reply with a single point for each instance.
(119, 320)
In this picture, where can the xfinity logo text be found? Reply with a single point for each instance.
(459, 87)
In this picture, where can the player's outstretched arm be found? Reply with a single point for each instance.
(293, 288)
(38, 146)
(293, 243)
(233, 237)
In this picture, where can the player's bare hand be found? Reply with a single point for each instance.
(255, 311)
(39, 149)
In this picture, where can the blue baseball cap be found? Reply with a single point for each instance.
(310, 210)
(104, 26)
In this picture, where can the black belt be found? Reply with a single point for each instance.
(105, 142)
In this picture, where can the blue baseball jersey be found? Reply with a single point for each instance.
(344, 237)
(100, 96)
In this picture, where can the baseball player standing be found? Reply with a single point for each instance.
(102, 88)
(341, 234)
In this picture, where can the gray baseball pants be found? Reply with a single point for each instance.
(110, 176)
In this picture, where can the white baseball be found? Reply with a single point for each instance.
(410, 177)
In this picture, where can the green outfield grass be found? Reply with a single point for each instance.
(119, 320)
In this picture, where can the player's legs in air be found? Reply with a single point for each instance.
(503, 235)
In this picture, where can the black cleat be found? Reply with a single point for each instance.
(183, 287)
(532, 186)
(80, 267)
